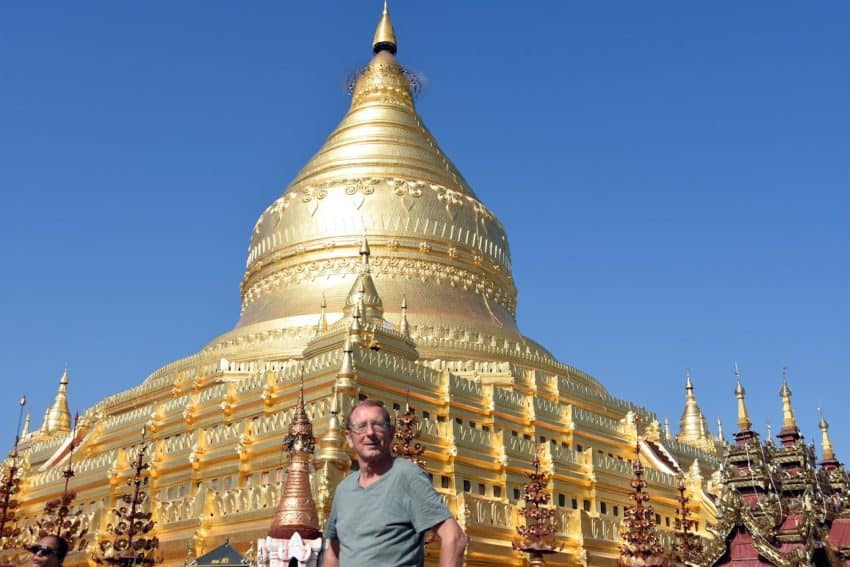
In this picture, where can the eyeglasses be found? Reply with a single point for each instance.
(379, 426)
(42, 551)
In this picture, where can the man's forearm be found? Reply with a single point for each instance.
(330, 557)
(452, 544)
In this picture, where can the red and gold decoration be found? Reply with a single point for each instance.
(405, 444)
(537, 536)
(641, 546)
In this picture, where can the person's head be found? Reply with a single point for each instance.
(369, 431)
(50, 551)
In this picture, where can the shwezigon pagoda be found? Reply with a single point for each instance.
(378, 273)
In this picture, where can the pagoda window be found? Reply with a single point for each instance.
(514, 433)
(264, 477)
(603, 508)
(565, 445)
(516, 493)
(397, 406)
(497, 491)
(616, 510)
(445, 482)
(562, 500)
(574, 503)
(526, 436)
(485, 428)
(542, 438)
(586, 505)
(472, 424)
(482, 490)
(441, 418)
(467, 486)
(459, 421)
(667, 521)
(426, 415)
(658, 519)
(579, 448)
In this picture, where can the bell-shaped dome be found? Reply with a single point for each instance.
(381, 174)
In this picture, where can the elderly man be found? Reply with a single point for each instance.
(381, 512)
(50, 551)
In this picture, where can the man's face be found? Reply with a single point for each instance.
(46, 553)
(369, 435)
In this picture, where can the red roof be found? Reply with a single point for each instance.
(839, 533)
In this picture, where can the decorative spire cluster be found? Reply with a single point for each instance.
(405, 444)
(131, 543)
(537, 536)
(641, 546)
(59, 519)
(10, 486)
(688, 544)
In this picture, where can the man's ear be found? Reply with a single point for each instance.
(348, 440)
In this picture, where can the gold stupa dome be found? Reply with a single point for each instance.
(381, 174)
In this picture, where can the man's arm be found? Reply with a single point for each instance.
(452, 543)
(330, 558)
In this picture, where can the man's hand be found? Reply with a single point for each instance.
(330, 558)
(452, 543)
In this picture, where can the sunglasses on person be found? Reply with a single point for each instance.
(42, 551)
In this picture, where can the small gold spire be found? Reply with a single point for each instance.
(744, 423)
(347, 371)
(787, 411)
(667, 428)
(720, 435)
(26, 430)
(828, 454)
(322, 325)
(58, 416)
(693, 429)
(384, 39)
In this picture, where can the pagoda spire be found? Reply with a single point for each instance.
(26, 430)
(789, 432)
(58, 416)
(720, 436)
(296, 511)
(744, 423)
(363, 293)
(829, 460)
(322, 325)
(384, 39)
(404, 326)
(692, 425)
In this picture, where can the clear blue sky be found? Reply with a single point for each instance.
(673, 177)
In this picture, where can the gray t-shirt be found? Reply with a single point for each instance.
(384, 523)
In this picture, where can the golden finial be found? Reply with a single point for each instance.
(384, 39)
(667, 428)
(720, 435)
(787, 412)
(744, 423)
(347, 371)
(828, 454)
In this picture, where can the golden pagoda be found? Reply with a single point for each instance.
(378, 273)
